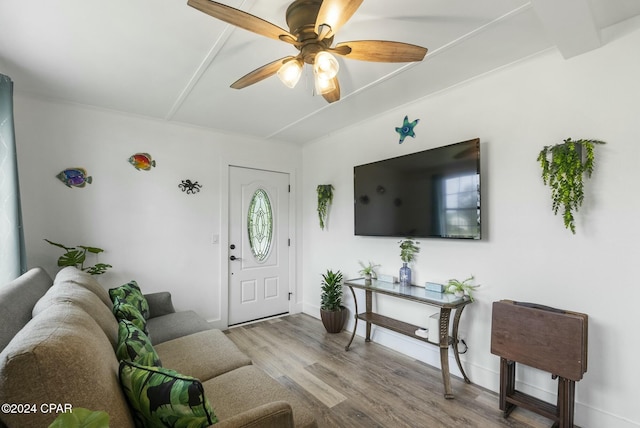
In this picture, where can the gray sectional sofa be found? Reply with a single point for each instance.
(57, 346)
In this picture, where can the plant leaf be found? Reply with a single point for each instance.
(98, 269)
(59, 245)
(93, 250)
(81, 418)
(72, 258)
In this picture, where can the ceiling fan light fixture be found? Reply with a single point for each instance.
(290, 73)
(323, 31)
(323, 86)
(325, 65)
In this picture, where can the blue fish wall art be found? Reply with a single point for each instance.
(74, 177)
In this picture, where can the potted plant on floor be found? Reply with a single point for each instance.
(332, 312)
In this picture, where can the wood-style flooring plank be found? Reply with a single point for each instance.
(370, 385)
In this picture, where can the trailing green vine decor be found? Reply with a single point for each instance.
(325, 197)
(563, 170)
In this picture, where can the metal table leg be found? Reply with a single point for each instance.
(456, 321)
(353, 334)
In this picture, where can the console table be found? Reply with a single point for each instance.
(446, 303)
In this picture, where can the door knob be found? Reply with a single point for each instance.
(234, 258)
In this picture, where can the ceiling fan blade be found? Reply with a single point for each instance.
(242, 19)
(260, 73)
(334, 95)
(380, 51)
(335, 13)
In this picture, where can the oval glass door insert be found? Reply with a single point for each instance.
(260, 225)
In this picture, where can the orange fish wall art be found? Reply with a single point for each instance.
(142, 161)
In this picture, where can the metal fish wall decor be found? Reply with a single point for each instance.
(74, 177)
(142, 161)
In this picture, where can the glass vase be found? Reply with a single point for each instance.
(405, 275)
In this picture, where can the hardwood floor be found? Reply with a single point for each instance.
(368, 386)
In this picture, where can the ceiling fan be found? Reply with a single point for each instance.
(312, 27)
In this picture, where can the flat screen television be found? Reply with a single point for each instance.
(434, 193)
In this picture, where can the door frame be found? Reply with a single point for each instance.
(295, 287)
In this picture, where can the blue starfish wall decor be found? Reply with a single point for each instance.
(407, 129)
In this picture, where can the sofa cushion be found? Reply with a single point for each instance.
(164, 397)
(61, 356)
(17, 299)
(202, 355)
(134, 345)
(130, 293)
(125, 311)
(177, 324)
(68, 291)
(160, 303)
(76, 276)
(243, 389)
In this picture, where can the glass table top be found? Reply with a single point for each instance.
(411, 292)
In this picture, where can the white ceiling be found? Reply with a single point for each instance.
(163, 59)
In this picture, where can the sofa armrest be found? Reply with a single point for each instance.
(277, 414)
(159, 304)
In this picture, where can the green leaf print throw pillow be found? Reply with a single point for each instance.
(125, 311)
(134, 345)
(131, 293)
(164, 398)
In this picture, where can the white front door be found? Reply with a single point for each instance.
(258, 253)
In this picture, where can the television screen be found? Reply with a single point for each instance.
(429, 194)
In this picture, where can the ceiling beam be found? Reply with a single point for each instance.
(569, 24)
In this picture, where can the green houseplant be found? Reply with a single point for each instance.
(332, 312)
(460, 288)
(80, 417)
(408, 253)
(368, 271)
(325, 198)
(563, 170)
(408, 250)
(76, 256)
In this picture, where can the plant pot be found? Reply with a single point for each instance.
(333, 321)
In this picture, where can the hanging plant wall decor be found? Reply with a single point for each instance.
(325, 197)
(563, 170)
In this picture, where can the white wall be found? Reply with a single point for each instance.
(525, 254)
(152, 232)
